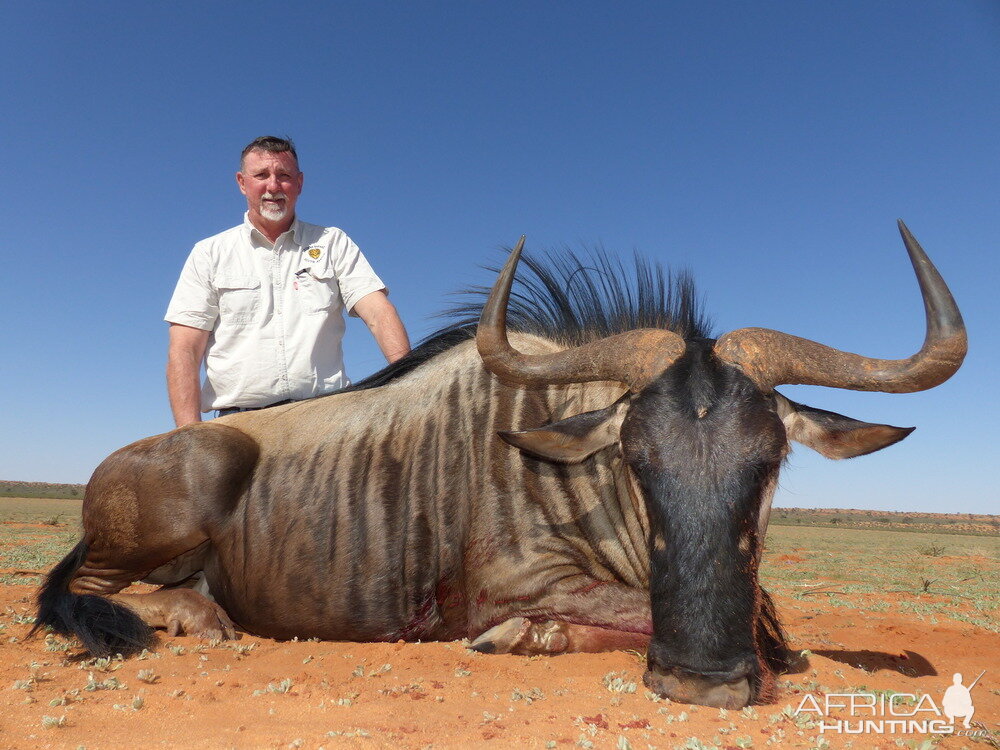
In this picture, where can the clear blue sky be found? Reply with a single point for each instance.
(768, 146)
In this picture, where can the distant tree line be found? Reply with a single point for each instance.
(943, 523)
(42, 490)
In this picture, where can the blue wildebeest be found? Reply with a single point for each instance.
(625, 505)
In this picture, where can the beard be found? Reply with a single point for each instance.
(270, 212)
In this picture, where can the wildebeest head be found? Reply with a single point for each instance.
(703, 433)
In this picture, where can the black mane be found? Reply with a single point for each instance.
(570, 299)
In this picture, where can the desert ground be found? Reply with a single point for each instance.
(870, 612)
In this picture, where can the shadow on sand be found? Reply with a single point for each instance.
(908, 663)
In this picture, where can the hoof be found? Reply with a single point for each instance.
(502, 638)
(190, 613)
(521, 636)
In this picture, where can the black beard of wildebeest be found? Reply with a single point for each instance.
(577, 466)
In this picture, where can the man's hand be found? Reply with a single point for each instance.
(187, 349)
(383, 321)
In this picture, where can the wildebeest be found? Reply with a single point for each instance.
(625, 505)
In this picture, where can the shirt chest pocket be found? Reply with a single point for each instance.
(239, 299)
(318, 291)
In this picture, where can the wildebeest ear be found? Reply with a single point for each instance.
(834, 435)
(571, 440)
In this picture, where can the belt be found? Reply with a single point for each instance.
(236, 409)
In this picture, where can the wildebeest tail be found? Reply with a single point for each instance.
(104, 627)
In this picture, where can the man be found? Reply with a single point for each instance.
(262, 303)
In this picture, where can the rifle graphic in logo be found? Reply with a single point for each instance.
(957, 701)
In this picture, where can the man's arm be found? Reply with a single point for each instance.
(187, 349)
(383, 321)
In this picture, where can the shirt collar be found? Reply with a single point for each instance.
(249, 229)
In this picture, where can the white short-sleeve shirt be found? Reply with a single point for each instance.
(275, 312)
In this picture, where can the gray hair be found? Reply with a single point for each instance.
(271, 143)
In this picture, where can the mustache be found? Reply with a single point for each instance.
(273, 196)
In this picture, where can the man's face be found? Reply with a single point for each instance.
(272, 183)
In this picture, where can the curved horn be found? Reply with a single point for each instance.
(634, 358)
(771, 358)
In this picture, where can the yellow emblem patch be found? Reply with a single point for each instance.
(315, 252)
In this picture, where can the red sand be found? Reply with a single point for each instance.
(310, 695)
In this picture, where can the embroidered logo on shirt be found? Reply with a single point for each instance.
(314, 252)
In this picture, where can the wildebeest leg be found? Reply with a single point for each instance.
(520, 635)
(577, 613)
(145, 506)
(180, 610)
(180, 605)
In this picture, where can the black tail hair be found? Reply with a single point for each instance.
(104, 627)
